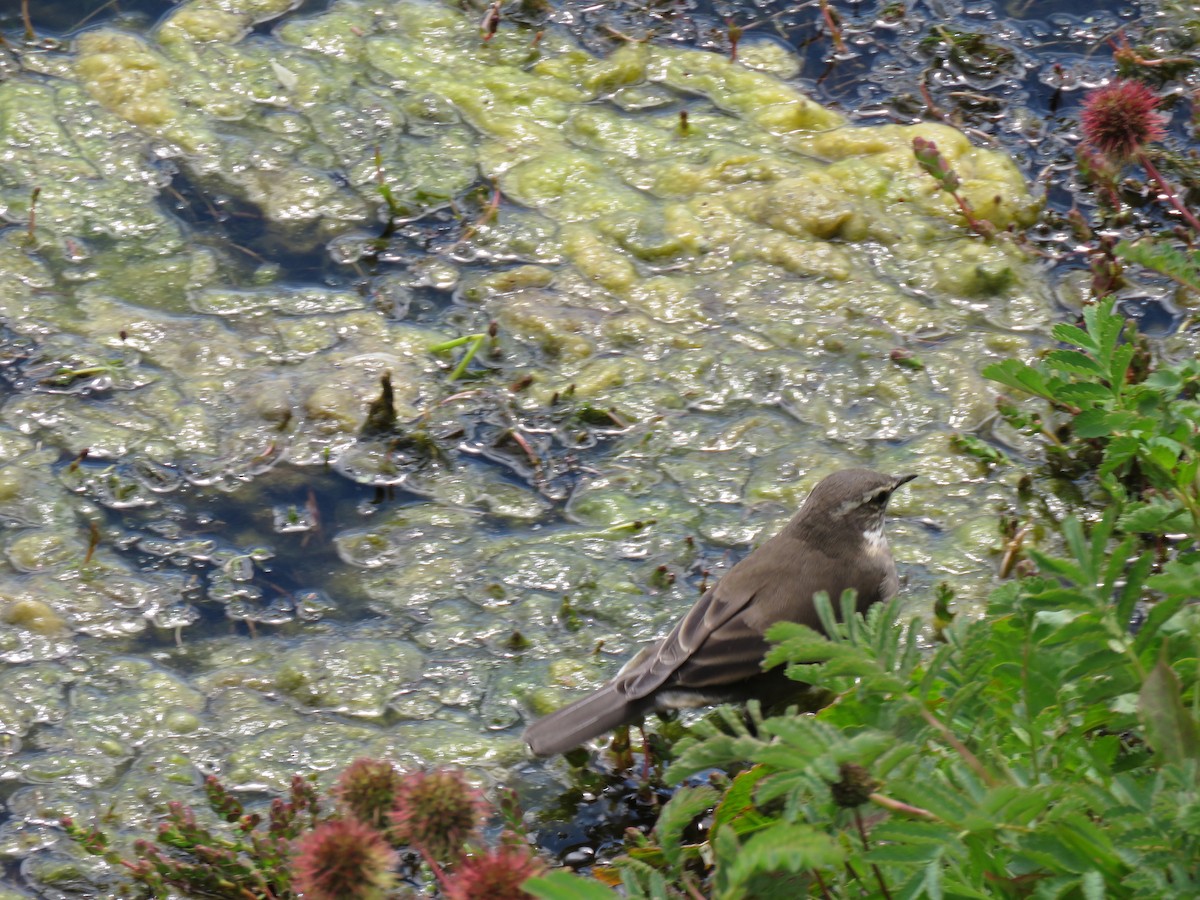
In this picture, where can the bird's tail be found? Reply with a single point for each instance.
(584, 719)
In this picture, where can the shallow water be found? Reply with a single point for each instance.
(694, 324)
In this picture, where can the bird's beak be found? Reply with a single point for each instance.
(902, 479)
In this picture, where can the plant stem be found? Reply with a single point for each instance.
(457, 342)
(899, 806)
(1169, 191)
(476, 343)
(30, 34)
(1034, 748)
(862, 833)
(968, 757)
(31, 228)
(835, 31)
(821, 884)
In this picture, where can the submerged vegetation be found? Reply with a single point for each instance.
(517, 330)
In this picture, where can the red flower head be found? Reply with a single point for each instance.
(437, 813)
(367, 790)
(1119, 119)
(343, 859)
(495, 875)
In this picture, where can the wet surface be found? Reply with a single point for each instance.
(694, 324)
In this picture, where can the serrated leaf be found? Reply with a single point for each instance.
(1167, 381)
(1158, 256)
(716, 751)
(904, 854)
(1102, 325)
(784, 848)
(1157, 517)
(737, 809)
(560, 885)
(1072, 334)
(1118, 364)
(1074, 362)
(1015, 374)
(1170, 727)
(1162, 452)
(933, 881)
(1118, 452)
(908, 831)
(1094, 423)
(679, 812)
(1055, 566)
(1084, 394)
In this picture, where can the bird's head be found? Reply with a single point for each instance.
(852, 500)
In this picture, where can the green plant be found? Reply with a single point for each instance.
(473, 343)
(249, 860)
(1050, 748)
(1112, 409)
(937, 167)
(1182, 267)
(1042, 750)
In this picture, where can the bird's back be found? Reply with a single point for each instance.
(725, 630)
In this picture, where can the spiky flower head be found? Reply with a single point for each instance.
(495, 875)
(343, 859)
(1119, 119)
(437, 813)
(367, 790)
(855, 786)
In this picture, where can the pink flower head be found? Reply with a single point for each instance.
(367, 790)
(1119, 119)
(343, 859)
(437, 813)
(495, 875)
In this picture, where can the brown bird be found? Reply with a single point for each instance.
(714, 653)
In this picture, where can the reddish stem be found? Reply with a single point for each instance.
(1167, 189)
(835, 31)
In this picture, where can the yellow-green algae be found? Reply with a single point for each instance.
(733, 289)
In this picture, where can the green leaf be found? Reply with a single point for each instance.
(1015, 374)
(1155, 254)
(1165, 381)
(680, 811)
(716, 751)
(933, 880)
(1055, 566)
(1103, 326)
(1072, 334)
(795, 643)
(1162, 452)
(1092, 885)
(1135, 579)
(737, 809)
(904, 854)
(1156, 517)
(1084, 394)
(1177, 579)
(1170, 728)
(561, 885)
(1094, 423)
(1074, 362)
(784, 848)
(1118, 452)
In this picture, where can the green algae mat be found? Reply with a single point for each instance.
(707, 293)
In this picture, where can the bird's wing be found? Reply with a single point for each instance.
(713, 623)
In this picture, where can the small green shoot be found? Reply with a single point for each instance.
(930, 159)
(473, 343)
